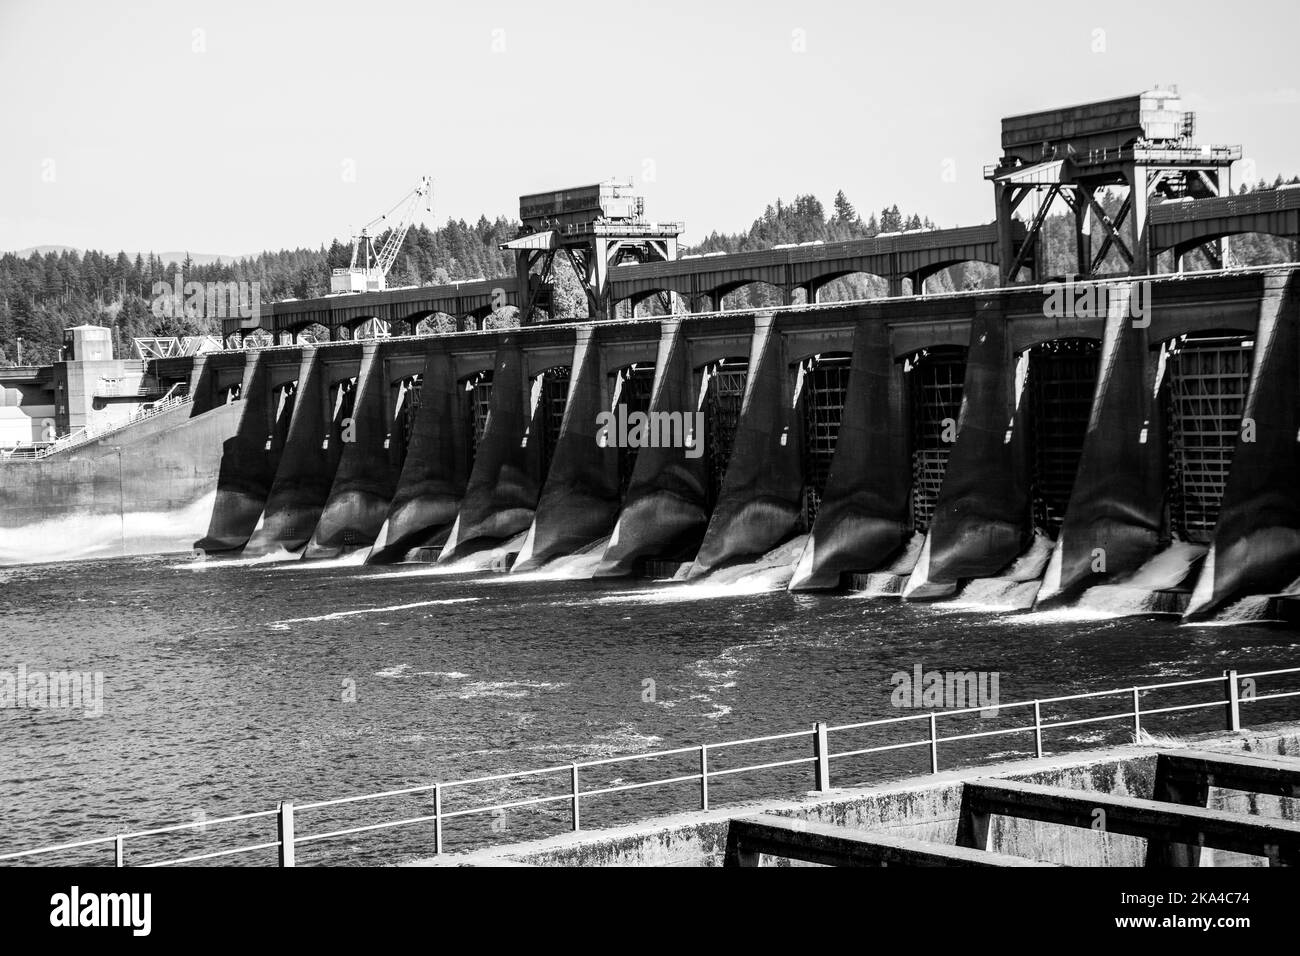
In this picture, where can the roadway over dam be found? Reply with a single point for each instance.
(702, 281)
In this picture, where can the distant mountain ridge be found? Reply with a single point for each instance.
(200, 258)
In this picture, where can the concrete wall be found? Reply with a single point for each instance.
(924, 808)
(149, 488)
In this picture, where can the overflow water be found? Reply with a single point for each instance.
(231, 686)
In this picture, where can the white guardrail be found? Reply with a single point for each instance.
(1230, 700)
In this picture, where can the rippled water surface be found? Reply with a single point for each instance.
(226, 690)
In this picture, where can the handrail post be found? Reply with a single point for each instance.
(119, 851)
(822, 774)
(934, 744)
(704, 777)
(577, 815)
(1234, 700)
(1038, 730)
(1137, 714)
(285, 828)
(437, 819)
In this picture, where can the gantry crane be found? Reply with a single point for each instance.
(371, 274)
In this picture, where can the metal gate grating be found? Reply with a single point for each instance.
(1062, 380)
(936, 387)
(722, 404)
(825, 384)
(1207, 376)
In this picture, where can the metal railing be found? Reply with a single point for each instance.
(88, 434)
(286, 839)
(1174, 155)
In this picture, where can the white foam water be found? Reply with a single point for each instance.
(212, 562)
(489, 559)
(581, 565)
(1248, 610)
(80, 536)
(353, 559)
(338, 615)
(1015, 588)
(993, 594)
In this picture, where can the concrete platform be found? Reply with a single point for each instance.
(927, 808)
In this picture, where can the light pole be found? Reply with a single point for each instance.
(19, 340)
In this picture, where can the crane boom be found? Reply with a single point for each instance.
(371, 275)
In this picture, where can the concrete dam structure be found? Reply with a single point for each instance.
(965, 445)
(1125, 443)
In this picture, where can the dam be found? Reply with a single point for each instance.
(1120, 440)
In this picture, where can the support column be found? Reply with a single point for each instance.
(1083, 230)
(863, 519)
(501, 496)
(982, 516)
(1113, 520)
(759, 505)
(248, 464)
(1256, 547)
(202, 385)
(1002, 199)
(665, 513)
(1138, 214)
(366, 476)
(579, 502)
(433, 479)
(307, 466)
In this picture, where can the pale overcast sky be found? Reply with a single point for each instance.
(230, 126)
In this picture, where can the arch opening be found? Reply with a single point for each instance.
(311, 334)
(749, 294)
(433, 323)
(848, 287)
(371, 327)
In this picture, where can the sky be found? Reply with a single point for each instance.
(231, 127)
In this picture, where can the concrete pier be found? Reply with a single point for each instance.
(759, 504)
(433, 477)
(864, 518)
(665, 513)
(367, 473)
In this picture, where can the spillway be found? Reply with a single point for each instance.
(939, 448)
